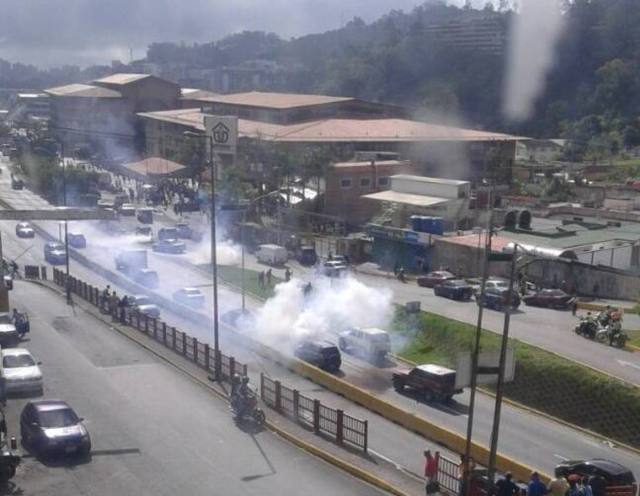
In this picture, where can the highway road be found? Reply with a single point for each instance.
(526, 437)
(154, 431)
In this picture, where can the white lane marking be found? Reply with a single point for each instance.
(396, 465)
(628, 364)
(563, 458)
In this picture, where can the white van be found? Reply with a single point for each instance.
(371, 342)
(272, 254)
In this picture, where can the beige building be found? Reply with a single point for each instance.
(103, 113)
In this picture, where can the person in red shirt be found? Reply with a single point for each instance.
(430, 466)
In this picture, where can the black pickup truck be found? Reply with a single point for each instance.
(432, 382)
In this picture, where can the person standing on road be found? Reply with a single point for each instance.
(506, 486)
(558, 486)
(574, 306)
(261, 279)
(597, 485)
(430, 467)
(287, 275)
(586, 487)
(269, 274)
(536, 487)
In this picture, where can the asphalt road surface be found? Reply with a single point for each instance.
(154, 431)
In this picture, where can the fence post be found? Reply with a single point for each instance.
(173, 338)
(262, 385)
(164, 333)
(296, 403)
(138, 319)
(96, 296)
(207, 358)
(195, 350)
(43, 272)
(339, 426)
(232, 366)
(278, 397)
(316, 416)
(244, 369)
(155, 328)
(366, 436)
(146, 323)
(184, 344)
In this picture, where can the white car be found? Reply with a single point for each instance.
(334, 268)
(191, 297)
(8, 333)
(20, 371)
(143, 304)
(127, 210)
(24, 230)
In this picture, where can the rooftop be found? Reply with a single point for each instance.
(122, 78)
(367, 163)
(83, 90)
(155, 166)
(477, 241)
(430, 180)
(407, 198)
(274, 100)
(196, 94)
(337, 130)
(32, 95)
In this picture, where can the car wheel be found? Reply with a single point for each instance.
(398, 386)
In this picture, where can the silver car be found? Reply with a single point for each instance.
(143, 304)
(21, 372)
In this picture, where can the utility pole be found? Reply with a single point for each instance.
(501, 369)
(476, 347)
(66, 230)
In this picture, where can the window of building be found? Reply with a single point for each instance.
(345, 183)
(365, 182)
(383, 181)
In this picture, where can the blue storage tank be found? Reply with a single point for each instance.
(427, 224)
(437, 226)
(416, 223)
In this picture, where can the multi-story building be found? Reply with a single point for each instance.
(104, 113)
(347, 182)
(26, 107)
(484, 33)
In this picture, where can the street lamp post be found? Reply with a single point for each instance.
(216, 344)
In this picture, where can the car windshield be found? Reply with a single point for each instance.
(15, 361)
(63, 417)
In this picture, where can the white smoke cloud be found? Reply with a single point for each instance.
(332, 306)
(534, 34)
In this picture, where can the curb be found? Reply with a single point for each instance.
(547, 416)
(343, 465)
(633, 348)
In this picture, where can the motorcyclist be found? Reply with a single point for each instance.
(604, 317)
(242, 397)
(615, 329)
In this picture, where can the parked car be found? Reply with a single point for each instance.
(106, 204)
(432, 382)
(456, 289)
(143, 304)
(17, 183)
(77, 240)
(24, 230)
(145, 215)
(20, 371)
(167, 233)
(496, 298)
(434, 278)
(333, 268)
(184, 231)
(51, 426)
(239, 318)
(613, 473)
(191, 297)
(143, 234)
(120, 199)
(322, 354)
(551, 298)
(371, 342)
(169, 246)
(127, 210)
(55, 253)
(306, 255)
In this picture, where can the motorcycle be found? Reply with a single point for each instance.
(619, 340)
(249, 411)
(587, 328)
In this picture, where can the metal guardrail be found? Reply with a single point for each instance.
(179, 342)
(309, 412)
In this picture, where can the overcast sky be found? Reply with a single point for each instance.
(85, 32)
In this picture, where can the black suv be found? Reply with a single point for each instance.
(323, 354)
(497, 298)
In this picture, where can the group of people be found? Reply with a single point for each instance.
(112, 304)
(265, 277)
(611, 317)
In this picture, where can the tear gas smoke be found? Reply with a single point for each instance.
(332, 306)
(227, 253)
(534, 34)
